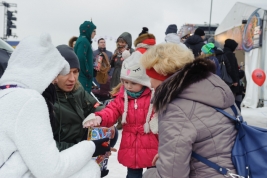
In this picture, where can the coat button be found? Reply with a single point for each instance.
(86, 70)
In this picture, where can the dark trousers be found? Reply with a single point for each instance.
(134, 173)
(113, 141)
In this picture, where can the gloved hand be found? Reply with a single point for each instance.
(101, 147)
(104, 172)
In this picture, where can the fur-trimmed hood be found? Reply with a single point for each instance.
(143, 37)
(195, 81)
(34, 64)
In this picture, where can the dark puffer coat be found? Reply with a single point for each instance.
(71, 108)
(229, 48)
(195, 43)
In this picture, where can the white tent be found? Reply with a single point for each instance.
(255, 57)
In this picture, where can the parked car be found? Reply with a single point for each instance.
(5, 52)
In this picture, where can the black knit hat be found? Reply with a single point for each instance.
(145, 30)
(68, 53)
(199, 32)
(231, 44)
(171, 29)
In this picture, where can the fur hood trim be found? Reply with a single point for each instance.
(191, 73)
(143, 37)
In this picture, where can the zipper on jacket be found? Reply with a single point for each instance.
(135, 104)
(136, 136)
(65, 95)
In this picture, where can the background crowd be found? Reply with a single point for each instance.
(161, 96)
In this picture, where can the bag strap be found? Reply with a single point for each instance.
(227, 114)
(213, 165)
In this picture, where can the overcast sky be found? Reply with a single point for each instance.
(62, 18)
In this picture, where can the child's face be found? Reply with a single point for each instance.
(131, 86)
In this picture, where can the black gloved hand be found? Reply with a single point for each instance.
(99, 148)
(104, 172)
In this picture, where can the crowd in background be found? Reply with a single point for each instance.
(161, 96)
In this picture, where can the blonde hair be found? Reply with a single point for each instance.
(205, 56)
(116, 89)
(167, 58)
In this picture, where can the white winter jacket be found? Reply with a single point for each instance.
(25, 128)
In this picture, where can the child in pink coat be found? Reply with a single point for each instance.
(138, 145)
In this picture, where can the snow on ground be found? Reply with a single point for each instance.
(256, 117)
(116, 170)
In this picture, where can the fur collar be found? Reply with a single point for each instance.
(191, 73)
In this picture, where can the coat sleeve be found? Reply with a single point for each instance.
(227, 64)
(111, 113)
(34, 140)
(176, 137)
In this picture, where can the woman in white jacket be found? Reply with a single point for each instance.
(27, 147)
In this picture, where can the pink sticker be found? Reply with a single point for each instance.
(128, 71)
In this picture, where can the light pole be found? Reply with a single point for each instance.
(210, 15)
(6, 21)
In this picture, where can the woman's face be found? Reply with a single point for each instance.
(93, 34)
(122, 44)
(73, 44)
(155, 83)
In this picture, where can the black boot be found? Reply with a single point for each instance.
(104, 172)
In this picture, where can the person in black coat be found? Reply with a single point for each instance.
(229, 48)
(196, 41)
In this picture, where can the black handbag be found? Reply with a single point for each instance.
(225, 76)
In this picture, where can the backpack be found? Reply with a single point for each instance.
(217, 65)
(224, 74)
(249, 153)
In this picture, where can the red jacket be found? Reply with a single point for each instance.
(137, 149)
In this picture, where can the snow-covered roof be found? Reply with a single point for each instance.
(239, 12)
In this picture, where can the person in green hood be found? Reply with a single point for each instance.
(83, 50)
(124, 42)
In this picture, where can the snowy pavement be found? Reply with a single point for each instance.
(256, 117)
(116, 170)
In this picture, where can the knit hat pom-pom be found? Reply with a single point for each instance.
(144, 31)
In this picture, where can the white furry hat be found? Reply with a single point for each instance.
(34, 64)
(133, 71)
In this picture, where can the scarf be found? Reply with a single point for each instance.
(135, 94)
